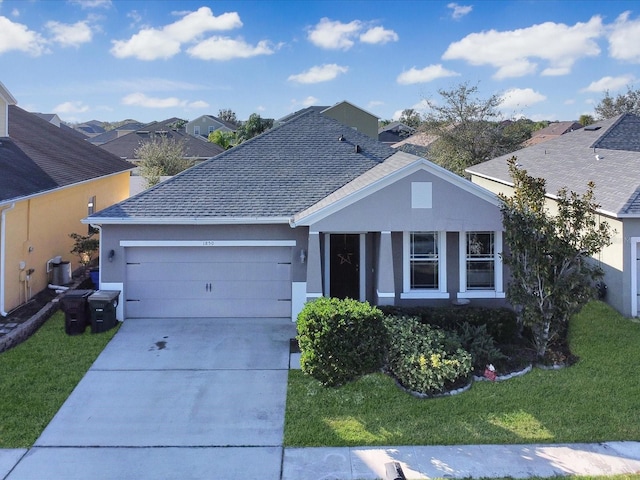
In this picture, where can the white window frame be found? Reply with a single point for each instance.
(425, 293)
(498, 290)
(196, 129)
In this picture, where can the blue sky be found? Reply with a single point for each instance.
(151, 60)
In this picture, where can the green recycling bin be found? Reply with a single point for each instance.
(103, 305)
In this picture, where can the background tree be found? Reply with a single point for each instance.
(410, 118)
(585, 120)
(553, 276)
(252, 127)
(468, 129)
(224, 139)
(161, 156)
(610, 107)
(228, 115)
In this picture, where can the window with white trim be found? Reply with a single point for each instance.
(196, 129)
(480, 261)
(424, 265)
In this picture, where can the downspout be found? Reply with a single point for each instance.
(3, 246)
(99, 228)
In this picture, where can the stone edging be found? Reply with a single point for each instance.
(27, 328)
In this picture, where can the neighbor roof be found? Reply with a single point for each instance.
(607, 153)
(553, 130)
(268, 178)
(125, 146)
(38, 156)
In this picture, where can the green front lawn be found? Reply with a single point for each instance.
(594, 400)
(37, 376)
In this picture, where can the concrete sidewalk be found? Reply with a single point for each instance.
(463, 461)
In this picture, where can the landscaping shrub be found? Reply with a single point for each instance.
(501, 323)
(340, 340)
(423, 358)
(476, 340)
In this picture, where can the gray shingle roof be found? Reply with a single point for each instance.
(38, 156)
(274, 175)
(607, 153)
(194, 147)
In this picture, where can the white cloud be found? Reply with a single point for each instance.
(70, 35)
(515, 53)
(225, 48)
(609, 83)
(624, 40)
(427, 74)
(16, 36)
(198, 104)
(335, 35)
(141, 100)
(154, 43)
(459, 11)
(92, 3)
(309, 101)
(71, 107)
(379, 35)
(520, 98)
(317, 74)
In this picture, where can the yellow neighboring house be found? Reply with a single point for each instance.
(49, 180)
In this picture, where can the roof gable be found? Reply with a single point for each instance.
(271, 176)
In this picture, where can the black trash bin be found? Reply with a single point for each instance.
(75, 306)
(103, 305)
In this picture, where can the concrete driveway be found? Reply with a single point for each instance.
(179, 398)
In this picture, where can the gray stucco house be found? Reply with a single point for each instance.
(307, 209)
(607, 153)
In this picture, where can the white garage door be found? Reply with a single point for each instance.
(208, 282)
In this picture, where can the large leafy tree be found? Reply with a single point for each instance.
(553, 274)
(224, 139)
(227, 115)
(410, 117)
(161, 156)
(610, 107)
(468, 128)
(255, 125)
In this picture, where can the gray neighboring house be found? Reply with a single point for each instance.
(206, 124)
(607, 153)
(307, 209)
(195, 148)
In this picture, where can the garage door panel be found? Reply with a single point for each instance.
(207, 272)
(164, 308)
(208, 281)
(212, 290)
(209, 254)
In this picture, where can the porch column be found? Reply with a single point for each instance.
(385, 290)
(314, 267)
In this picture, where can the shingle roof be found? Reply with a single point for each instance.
(274, 175)
(194, 147)
(38, 156)
(607, 153)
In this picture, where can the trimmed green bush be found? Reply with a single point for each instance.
(423, 358)
(501, 322)
(340, 340)
(476, 340)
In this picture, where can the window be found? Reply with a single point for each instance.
(196, 129)
(424, 265)
(481, 265)
(480, 261)
(212, 129)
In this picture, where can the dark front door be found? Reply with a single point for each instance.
(344, 266)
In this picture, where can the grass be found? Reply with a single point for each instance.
(37, 376)
(592, 401)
